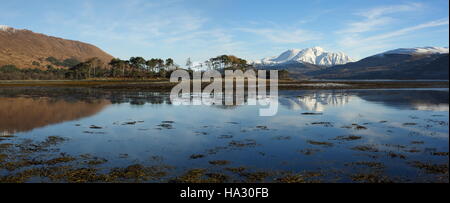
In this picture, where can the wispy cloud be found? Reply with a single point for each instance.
(287, 36)
(380, 41)
(146, 25)
(353, 41)
(365, 25)
(377, 17)
(378, 29)
(404, 31)
(163, 21)
(383, 10)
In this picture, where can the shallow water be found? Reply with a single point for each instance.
(327, 136)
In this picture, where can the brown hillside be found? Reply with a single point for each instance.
(23, 47)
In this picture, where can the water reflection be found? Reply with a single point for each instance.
(316, 101)
(427, 99)
(398, 130)
(24, 114)
(23, 110)
(434, 100)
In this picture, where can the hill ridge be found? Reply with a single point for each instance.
(27, 49)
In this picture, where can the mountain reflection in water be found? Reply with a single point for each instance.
(316, 101)
(25, 114)
(395, 134)
(23, 110)
(431, 100)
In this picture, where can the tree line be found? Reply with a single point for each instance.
(69, 69)
(222, 62)
(133, 68)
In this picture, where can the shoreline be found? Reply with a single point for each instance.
(165, 85)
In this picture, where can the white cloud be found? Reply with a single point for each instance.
(377, 30)
(153, 29)
(365, 25)
(407, 30)
(377, 17)
(380, 41)
(384, 10)
(287, 36)
(359, 41)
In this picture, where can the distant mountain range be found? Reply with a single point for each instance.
(26, 49)
(410, 63)
(417, 51)
(314, 56)
(405, 63)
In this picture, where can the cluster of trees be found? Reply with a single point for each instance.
(11, 72)
(134, 68)
(230, 62)
(222, 62)
(70, 62)
(139, 67)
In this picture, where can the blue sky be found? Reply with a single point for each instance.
(251, 29)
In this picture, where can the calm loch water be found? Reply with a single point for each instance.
(89, 135)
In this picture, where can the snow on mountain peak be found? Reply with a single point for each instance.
(6, 28)
(419, 50)
(318, 49)
(287, 55)
(314, 55)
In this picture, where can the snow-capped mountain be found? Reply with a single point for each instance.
(315, 56)
(418, 50)
(7, 29)
(406, 63)
(4, 28)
